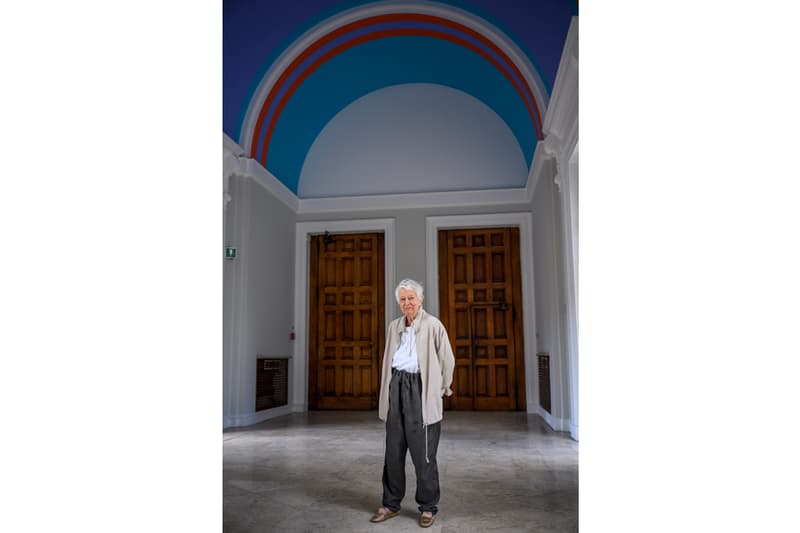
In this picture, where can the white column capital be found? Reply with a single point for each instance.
(230, 166)
(233, 162)
(552, 149)
(552, 145)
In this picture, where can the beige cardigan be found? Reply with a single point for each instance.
(436, 364)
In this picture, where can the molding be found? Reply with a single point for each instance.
(302, 255)
(551, 146)
(234, 162)
(265, 178)
(537, 168)
(555, 423)
(231, 146)
(257, 417)
(231, 163)
(414, 200)
(524, 221)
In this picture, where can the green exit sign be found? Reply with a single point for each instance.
(230, 252)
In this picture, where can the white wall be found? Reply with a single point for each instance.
(411, 259)
(262, 287)
(545, 264)
(259, 299)
(549, 305)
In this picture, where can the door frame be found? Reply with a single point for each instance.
(524, 221)
(302, 250)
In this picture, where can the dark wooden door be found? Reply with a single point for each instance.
(481, 306)
(346, 320)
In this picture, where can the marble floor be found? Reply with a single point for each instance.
(321, 471)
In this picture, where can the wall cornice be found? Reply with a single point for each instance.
(236, 163)
(537, 167)
(415, 200)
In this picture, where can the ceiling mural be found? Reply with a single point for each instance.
(291, 68)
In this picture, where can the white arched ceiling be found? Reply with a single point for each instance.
(416, 137)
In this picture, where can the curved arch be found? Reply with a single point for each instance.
(352, 34)
(280, 122)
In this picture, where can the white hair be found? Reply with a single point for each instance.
(409, 285)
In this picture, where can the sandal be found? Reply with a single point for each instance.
(383, 514)
(426, 519)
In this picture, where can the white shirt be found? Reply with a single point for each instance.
(405, 358)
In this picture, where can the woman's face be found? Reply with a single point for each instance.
(409, 303)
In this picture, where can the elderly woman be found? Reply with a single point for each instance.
(417, 371)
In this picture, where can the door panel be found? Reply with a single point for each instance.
(481, 308)
(346, 320)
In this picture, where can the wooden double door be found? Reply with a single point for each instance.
(481, 306)
(346, 320)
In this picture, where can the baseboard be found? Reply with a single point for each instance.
(255, 418)
(555, 423)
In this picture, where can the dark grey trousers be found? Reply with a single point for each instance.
(405, 432)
